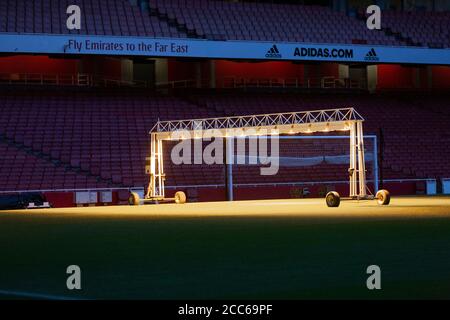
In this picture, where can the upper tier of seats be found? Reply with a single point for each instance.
(99, 17)
(430, 29)
(65, 139)
(225, 21)
(269, 22)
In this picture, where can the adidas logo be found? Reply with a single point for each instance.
(273, 52)
(371, 56)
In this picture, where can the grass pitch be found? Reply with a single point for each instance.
(277, 249)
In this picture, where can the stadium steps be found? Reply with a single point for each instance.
(403, 172)
(56, 162)
(172, 21)
(401, 37)
(388, 32)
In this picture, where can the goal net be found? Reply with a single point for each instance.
(303, 165)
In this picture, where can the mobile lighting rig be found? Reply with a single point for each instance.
(303, 122)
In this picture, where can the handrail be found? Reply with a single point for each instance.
(77, 79)
(327, 82)
(214, 185)
(188, 83)
(257, 184)
(67, 79)
(70, 190)
(100, 80)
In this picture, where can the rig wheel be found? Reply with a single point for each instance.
(333, 199)
(180, 197)
(383, 197)
(134, 199)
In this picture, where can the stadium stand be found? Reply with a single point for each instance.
(22, 170)
(116, 17)
(94, 135)
(99, 138)
(429, 29)
(405, 122)
(78, 123)
(221, 20)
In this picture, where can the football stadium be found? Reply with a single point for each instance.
(213, 149)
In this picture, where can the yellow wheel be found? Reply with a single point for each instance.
(180, 197)
(383, 197)
(133, 200)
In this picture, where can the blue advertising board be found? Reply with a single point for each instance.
(194, 48)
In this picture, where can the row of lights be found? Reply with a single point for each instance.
(274, 131)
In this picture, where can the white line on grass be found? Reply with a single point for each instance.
(297, 203)
(33, 295)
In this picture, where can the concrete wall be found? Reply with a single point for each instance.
(161, 70)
